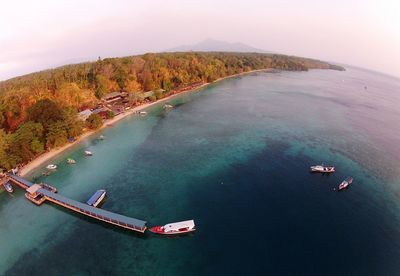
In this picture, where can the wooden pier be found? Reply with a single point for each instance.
(39, 193)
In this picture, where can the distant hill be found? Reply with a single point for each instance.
(212, 45)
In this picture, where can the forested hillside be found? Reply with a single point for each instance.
(38, 111)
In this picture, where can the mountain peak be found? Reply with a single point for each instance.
(213, 45)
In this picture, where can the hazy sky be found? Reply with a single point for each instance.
(39, 34)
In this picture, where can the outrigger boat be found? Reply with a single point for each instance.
(71, 161)
(88, 153)
(174, 228)
(51, 167)
(8, 187)
(322, 169)
(97, 198)
(168, 106)
(345, 183)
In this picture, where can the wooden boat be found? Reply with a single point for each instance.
(51, 167)
(345, 183)
(97, 198)
(88, 153)
(71, 161)
(7, 186)
(322, 169)
(175, 228)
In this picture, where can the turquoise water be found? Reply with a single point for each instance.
(234, 157)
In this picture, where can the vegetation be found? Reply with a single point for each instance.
(94, 121)
(38, 111)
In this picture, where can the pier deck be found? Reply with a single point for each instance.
(96, 213)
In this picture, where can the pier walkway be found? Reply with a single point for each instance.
(37, 194)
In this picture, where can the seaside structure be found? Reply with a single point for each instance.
(101, 111)
(39, 193)
(114, 96)
(83, 115)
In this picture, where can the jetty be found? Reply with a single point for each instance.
(39, 193)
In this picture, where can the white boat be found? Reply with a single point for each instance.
(167, 106)
(345, 183)
(322, 169)
(51, 167)
(101, 137)
(143, 113)
(174, 228)
(71, 161)
(8, 187)
(88, 153)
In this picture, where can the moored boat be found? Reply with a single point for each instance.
(175, 228)
(51, 167)
(7, 186)
(101, 137)
(88, 153)
(71, 161)
(167, 106)
(345, 183)
(322, 169)
(97, 198)
(143, 113)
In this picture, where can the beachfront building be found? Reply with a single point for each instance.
(113, 96)
(101, 111)
(83, 115)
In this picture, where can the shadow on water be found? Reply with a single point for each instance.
(99, 223)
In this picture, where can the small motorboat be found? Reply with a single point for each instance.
(97, 198)
(345, 183)
(71, 161)
(7, 186)
(143, 113)
(102, 137)
(88, 153)
(175, 228)
(51, 167)
(167, 106)
(322, 169)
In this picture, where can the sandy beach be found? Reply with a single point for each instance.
(40, 160)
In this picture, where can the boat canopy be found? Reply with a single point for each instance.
(179, 225)
(95, 197)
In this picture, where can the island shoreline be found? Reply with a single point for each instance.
(41, 159)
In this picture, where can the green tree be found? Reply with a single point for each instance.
(73, 125)
(45, 111)
(121, 77)
(101, 86)
(57, 134)
(27, 141)
(94, 121)
(4, 146)
(110, 114)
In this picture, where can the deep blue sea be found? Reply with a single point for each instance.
(235, 157)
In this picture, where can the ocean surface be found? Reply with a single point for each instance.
(235, 157)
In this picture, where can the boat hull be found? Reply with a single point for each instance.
(322, 169)
(158, 230)
(8, 188)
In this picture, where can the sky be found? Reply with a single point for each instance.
(36, 35)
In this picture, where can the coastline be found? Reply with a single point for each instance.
(37, 162)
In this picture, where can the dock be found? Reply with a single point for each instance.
(39, 193)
